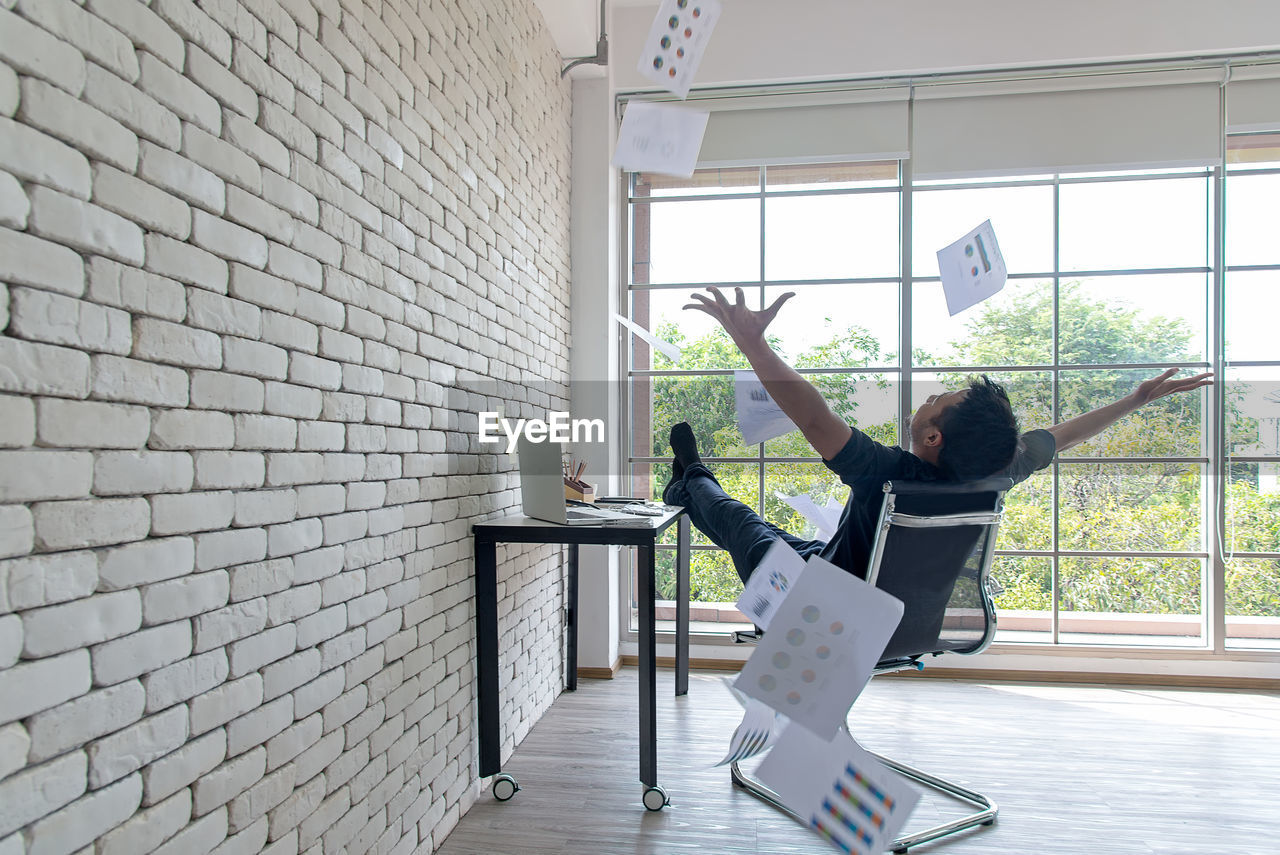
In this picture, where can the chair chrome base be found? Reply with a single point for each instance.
(985, 816)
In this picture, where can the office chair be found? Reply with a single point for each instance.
(933, 550)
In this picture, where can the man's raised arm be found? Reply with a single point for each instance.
(1088, 425)
(797, 397)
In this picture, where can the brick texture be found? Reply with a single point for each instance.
(250, 252)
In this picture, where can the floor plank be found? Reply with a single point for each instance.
(1075, 769)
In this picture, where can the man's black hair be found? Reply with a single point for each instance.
(979, 433)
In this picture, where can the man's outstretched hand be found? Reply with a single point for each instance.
(1165, 384)
(745, 326)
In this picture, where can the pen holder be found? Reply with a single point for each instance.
(579, 491)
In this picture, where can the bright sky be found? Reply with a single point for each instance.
(1104, 226)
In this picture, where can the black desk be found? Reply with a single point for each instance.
(520, 529)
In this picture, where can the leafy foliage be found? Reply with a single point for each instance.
(1103, 506)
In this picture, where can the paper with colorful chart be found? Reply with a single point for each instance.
(660, 138)
(972, 268)
(842, 792)
(769, 582)
(822, 645)
(759, 417)
(676, 42)
(759, 730)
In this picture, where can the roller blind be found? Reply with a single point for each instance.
(1078, 124)
(1253, 100)
(772, 131)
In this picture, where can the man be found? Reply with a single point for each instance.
(962, 435)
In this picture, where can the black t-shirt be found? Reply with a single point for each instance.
(864, 465)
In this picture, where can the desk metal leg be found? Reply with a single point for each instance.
(648, 647)
(486, 555)
(571, 675)
(682, 605)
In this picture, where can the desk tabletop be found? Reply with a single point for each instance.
(521, 529)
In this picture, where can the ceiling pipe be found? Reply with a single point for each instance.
(602, 49)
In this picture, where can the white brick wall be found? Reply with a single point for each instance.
(243, 251)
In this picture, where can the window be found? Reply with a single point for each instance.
(1128, 540)
(1251, 529)
(829, 233)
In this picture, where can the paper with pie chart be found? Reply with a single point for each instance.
(823, 642)
(768, 584)
(972, 269)
(676, 41)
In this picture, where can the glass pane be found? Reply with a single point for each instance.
(869, 401)
(1253, 603)
(1253, 510)
(1131, 601)
(790, 480)
(1030, 393)
(703, 342)
(705, 402)
(1169, 427)
(1133, 319)
(837, 326)
(1130, 506)
(704, 182)
(1024, 609)
(711, 240)
(1253, 412)
(1252, 301)
(831, 176)
(831, 237)
(1252, 151)
(1134, 224)
(1252, 219)
(1028, 516)
(1013, 327)
(1022, 218)
(712, 579)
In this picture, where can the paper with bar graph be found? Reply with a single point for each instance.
(844, 794)
(972, 268)
(759, 730)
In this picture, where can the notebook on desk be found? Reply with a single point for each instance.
(542, 489)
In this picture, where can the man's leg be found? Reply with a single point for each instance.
(729, 524)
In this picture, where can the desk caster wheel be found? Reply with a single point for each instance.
(504, 787)
(655, 798)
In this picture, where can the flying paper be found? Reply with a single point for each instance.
(972, 268)
(666, 348)
(768, 584)
(823, 643)
(660, 138)
(678, 37)
(847, 796)
(759, 730)
(759, 418)
(824, 519)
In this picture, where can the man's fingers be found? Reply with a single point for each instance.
(715, 292)
(773, 308)
(741, 300)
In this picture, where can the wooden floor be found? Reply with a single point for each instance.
(1074, 769)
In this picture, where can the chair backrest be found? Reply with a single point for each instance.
(933, 550)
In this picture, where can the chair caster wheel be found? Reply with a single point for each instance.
(504, 787)
(655, 798)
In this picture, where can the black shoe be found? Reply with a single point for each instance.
(684, 447)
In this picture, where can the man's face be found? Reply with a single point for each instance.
(925, 420)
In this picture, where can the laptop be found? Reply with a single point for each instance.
(542, 489)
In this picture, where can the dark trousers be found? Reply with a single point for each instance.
(730, 524)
